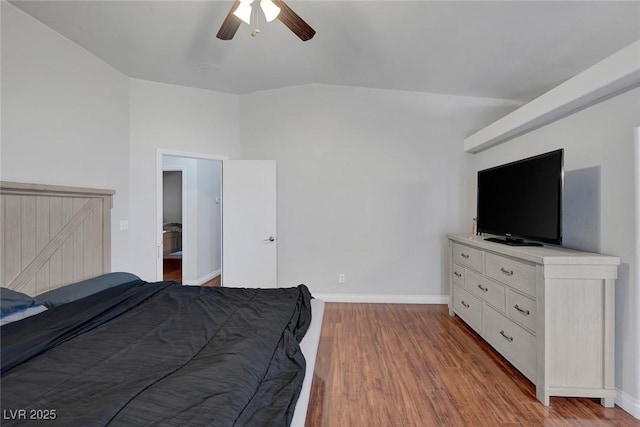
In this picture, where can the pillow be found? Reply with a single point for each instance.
(13, 301)
(84, 288)
(22, 314)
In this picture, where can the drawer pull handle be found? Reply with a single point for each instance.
(525, 312)
(507, 337)
(465, 256)
(482, 288)
(465, 304)
(507, 272)
(457, 274)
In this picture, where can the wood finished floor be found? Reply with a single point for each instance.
(172, 270)
(414, 365)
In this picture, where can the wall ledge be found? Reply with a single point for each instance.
(612, 76)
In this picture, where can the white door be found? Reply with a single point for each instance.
(249, 240)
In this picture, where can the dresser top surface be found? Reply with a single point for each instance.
(538, 254)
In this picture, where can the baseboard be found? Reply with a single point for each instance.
(199, 281)
(383, 298)
(628, 403)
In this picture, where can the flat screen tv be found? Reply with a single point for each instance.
(521, 202)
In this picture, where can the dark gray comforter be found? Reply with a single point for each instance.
(158, 354)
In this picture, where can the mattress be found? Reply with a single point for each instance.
(160, 354)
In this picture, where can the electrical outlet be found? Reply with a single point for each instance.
(124, 224)
(341, 278)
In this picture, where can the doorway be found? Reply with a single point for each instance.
(172, 213)
(189, 236)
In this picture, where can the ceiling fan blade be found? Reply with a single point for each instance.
(294, 22)
(230, 24)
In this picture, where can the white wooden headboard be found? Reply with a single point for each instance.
(51, 236)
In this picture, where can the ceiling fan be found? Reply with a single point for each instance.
(241, 11)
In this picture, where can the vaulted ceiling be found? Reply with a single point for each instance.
(498, 49)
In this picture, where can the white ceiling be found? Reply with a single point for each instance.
(501, 49)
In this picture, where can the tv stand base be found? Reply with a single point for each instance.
(548, 311)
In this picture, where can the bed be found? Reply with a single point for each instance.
(108, 348)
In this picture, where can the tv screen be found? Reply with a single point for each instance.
(523, 200)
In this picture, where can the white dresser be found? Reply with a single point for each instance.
(549, 311)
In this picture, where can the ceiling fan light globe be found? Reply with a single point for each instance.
(244, 12)
(271, 11)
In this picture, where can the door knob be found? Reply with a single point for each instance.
(270, 239)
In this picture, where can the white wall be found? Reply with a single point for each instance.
(170, 118)
(368, 184)
(65, 117)
(599, 139)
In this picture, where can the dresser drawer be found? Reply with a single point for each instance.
(563, 342)
(513, 341)
(517, 274)
(468, 307)
(523, 310)
(467, 256)
(486, 289)
(458, 275)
